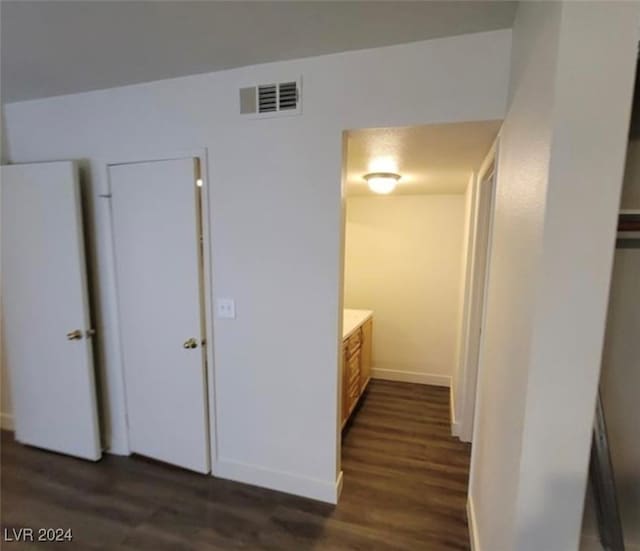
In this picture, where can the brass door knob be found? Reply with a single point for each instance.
(190, 343)
(74, 335)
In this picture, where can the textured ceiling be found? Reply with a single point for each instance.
(50, 47)
(436, 158)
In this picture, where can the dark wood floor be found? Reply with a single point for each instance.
(405, 482)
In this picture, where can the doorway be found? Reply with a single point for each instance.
(160, 274)
(477, 268)
(417, 202)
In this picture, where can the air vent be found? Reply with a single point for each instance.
(267, 99)
(287, 95)
(271, 100)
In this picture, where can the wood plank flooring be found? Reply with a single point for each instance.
(404, 489)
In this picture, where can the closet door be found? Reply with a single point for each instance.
(156, 231)
(46, 310)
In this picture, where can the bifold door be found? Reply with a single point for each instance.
(157, 236)
(46, 310)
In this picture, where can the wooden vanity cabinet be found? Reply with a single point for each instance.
(356, 367)
(365, 352)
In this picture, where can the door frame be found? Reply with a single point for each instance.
(201, 154)
(472, 355)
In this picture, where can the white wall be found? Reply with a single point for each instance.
(620, 386)
(518, 217)
(403, 261)
(276, 222)
(6, 417)
(620, 377)
(559, 178)
(6, 420)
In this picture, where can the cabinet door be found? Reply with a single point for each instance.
(354, 378)
(366, 348)
(345, 383)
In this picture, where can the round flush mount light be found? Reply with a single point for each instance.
(382, 182)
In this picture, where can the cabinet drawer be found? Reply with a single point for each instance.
(352, 344)
(365, 352)
(354, 392)
(353, 366)
(353, 378)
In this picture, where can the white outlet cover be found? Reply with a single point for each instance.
(225, 308)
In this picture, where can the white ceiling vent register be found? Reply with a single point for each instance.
(272, 100)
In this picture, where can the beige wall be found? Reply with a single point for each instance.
(403, 261)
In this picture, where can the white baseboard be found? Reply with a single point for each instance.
(6, 421)
(339, 487)
(328, 492)
(455, 425)
(117, 446)
(411, 377)
(473, 526)
(465, 434)
(455, 429)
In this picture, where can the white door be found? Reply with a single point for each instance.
(156, 231)
(46, 310)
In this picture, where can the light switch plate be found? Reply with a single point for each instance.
(225, 308)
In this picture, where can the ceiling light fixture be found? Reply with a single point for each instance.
(382, 182)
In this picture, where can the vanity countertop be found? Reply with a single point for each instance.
(352, 319)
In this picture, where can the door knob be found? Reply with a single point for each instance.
(74, 335)
(190, 343)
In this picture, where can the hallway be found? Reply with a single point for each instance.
(405, 483)
(403, 467)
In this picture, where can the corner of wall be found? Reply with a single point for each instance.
(474, 539)
(463, 298)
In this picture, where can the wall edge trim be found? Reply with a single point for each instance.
(455, 424)
(473, 526)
